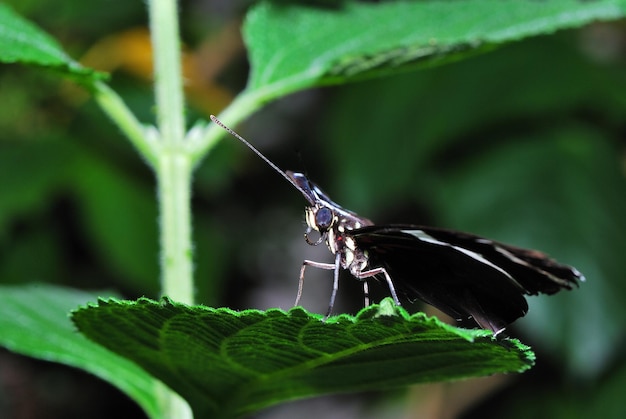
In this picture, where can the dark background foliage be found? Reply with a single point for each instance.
(523, 144)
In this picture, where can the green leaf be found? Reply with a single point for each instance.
(228, 363)
(296, 47)
(23, 42)
(34, 322)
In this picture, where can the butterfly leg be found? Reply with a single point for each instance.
(320, 265)
(366, 294)
(363, 275)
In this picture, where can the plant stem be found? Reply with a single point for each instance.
(174, 193)
(167, 71)
(173, 171)
(173, 168)
(119, 113)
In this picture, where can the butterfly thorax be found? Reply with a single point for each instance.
(334, 225)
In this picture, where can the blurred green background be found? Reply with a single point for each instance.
(524, 145)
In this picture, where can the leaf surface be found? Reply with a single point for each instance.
(34, 321)
(228, 363)
(296, 47)
(23, 42)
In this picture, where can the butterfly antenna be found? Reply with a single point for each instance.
(258, 153)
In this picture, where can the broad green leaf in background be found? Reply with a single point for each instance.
(120, 214)
(447, 112)
(23, 42)
(115, 211)
(34, 321)
(227, 363)
(29, 174)
(296, 47)
(573, 212)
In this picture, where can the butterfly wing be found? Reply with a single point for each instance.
(461, 274)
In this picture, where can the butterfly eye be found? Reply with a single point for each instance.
(323, 218)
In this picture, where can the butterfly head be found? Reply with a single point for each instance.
(322, 214)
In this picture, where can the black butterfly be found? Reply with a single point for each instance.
(463, 275)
